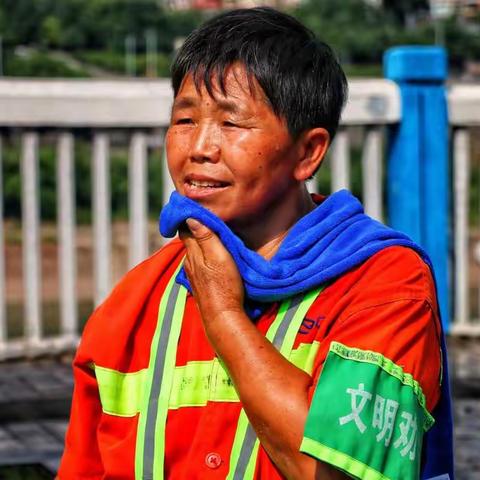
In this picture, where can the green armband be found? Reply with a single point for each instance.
(367, 416)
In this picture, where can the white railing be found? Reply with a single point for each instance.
(464, 114)
(66, 106)
(138, 108)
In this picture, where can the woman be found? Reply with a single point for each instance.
(283, 335)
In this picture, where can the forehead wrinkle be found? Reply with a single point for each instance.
(214, 84)
(224, 105)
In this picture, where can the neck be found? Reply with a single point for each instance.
(266, 235)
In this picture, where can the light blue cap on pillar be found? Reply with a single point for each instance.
(416, 63)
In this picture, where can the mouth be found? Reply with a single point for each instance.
(196, 187)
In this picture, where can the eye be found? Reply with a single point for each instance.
(229, 124)
(184, 121)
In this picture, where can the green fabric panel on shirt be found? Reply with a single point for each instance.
(367, 416)
(120, 393)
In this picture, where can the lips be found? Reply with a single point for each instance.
(206, 184)
(200, 186)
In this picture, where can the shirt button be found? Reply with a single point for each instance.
(213, 460)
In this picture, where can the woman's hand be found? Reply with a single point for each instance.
(269, 386)
(212, 272)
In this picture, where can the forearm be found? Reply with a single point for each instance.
(274, 393)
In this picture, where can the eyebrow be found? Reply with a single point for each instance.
(188, 102)
(184, 102)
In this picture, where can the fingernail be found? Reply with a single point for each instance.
(193, 224)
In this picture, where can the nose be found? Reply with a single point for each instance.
(205, 146)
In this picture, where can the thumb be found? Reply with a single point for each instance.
(208, 242)
(198, 230)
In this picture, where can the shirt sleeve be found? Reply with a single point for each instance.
(81, 456)
(376, 379)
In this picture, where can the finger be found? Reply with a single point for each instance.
(198, 230)
(184, 233)
(208, 241)
(190, 243)
(193, 251)
(184, 230)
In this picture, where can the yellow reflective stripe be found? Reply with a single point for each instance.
(304, 356)
(197, 383)
(120, 393)
(194, 384)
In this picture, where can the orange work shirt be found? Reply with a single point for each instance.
(386, 305)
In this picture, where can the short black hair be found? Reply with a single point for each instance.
(299, 74)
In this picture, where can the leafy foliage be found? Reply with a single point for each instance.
(360, 33)
(115, 61)
(95, 31)
(356, 31)
(89, 25)
(39, 64)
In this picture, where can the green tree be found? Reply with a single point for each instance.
(357, 30)
(51, 31)
(401, 9)
(92, 24)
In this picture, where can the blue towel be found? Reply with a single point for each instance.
(323, 245)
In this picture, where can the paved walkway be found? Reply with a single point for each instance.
(34, 407)
(35, 398)
(464, 356)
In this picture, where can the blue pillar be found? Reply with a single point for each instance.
(418, 172)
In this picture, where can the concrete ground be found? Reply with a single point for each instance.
(464, 356)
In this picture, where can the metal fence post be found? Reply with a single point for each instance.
(418, 179)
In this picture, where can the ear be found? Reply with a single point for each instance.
(313, 145)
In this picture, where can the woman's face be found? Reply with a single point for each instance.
(231, 153)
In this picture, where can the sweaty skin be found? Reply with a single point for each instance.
(232, 154)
